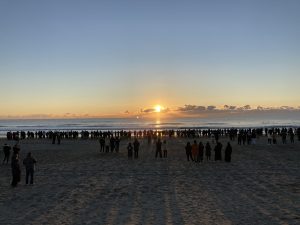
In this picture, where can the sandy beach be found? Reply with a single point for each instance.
(76, 184)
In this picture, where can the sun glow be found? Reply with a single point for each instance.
(158, 108)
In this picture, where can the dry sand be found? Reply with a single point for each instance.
(75, 184)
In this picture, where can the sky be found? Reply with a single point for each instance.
(114, 58)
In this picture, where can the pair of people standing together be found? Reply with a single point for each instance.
(29, 163)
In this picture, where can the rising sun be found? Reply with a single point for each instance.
(158, 108)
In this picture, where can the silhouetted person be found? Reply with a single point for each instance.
(16, 170)
(195, 151)
(107, 145)
(200, 152)
(269, 139)
(158, 148)
(239, 139)
(136, 148)
(102, 144)
(6, 151)
(274, 139)
(228, 152)
(129, 149)
(188, 151)
(16, 149)
(283, 137)
(218, 151)
(207, 151)
(244, 137)
(165, 150)
(107, 149)
(53, 138)
(58, 138)
(29, 163)
(117, 142)
(112, 144)
(292, 135)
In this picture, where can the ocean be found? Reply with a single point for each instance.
(136, 124)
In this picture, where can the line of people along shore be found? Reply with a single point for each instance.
(244, 136)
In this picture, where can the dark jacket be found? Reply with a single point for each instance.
(29, 163)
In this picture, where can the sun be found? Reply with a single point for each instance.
(157, 108)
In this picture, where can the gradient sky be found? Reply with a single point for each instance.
(106, 57)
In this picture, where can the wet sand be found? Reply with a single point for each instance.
(76, 184)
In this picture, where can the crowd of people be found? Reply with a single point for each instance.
(195, 152)
(110, 142)
(29, 163)
(243, 135)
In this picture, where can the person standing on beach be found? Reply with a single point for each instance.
(201, 152)
(53, 138)
(129, 149)
(16, 149)
(107, 141)
(117, 141)
(274, 138)
(228, 152)
(6, 151)
(165, 150)
(58, 138)
(158, 148)
(102, 144)
(188, 151)
(207, 151)
(292, 137)
(218, 151)
(136, 148)
(269, 138)
(195, 151)
(16, 170)
(112, 144)
(29, 163)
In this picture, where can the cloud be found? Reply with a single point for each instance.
(211, 107)
(165, 110)
(229, 107)
(260, 108)
(245, 107)
(191, 108)
(287, 108)
(229, 110)
(148, 110)
(153, 110)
